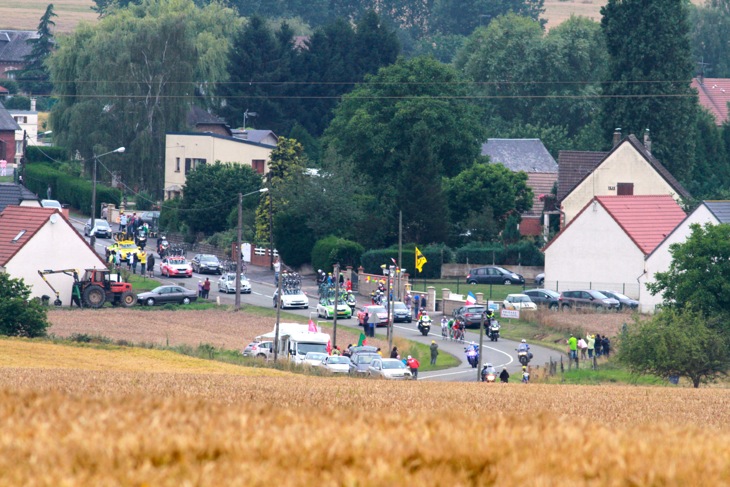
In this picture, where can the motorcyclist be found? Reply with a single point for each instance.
(489, 316)
(523, 347)
(473, 346)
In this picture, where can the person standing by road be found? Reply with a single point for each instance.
(606, 345)
(151, 265)
(413, 364)
(583, 347)
(49, 193)
(277, 269)
(133, 259)
(573, 347)
(591, 340)
(599, 345)
(416, 305)
(123, 223)
(504, 376)
(394, 353)
(434, 352)
(206, 288)
(143, 263)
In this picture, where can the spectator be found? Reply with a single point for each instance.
(413, 364)
(123, 220)
(200, 288)
(606, 345)
(408, 301)
(599, 345)
(423, 302)
(504, 376)
(583, 347)
(416, 305)
(348, 285)
(206, 288)
(143, 263)
(151, 265)
(277, 270)
(573, 347)
(379, 352)
(49, 193)
(394, 353)
(591, 345)
(434, 352)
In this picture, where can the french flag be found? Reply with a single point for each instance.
(471, 299)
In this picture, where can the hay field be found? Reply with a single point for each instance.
(25, 14)
(108, 427)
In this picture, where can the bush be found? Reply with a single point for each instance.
(170, 220)
(18, 316)
(45, 154)
(524, 252)
(332, 250)
(18, 102)
(293, 240)
(73, 191)
(435, 256)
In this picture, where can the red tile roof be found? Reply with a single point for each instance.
(15, 219)
(647, 220)
(714, 95)
(541, 184)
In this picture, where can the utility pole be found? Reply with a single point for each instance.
(400, 251)
(92, 238)
(481, 341)
(278, 318)
(337, 303)
(271, 224)
(238, 252)
(390, 308)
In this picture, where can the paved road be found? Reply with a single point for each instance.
(500, 354)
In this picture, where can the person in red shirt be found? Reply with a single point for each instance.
(348, 285)
(206, 288)
(413, 364)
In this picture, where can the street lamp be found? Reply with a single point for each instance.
(92, 238)
(238, 245)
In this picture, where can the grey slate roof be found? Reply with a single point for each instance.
(529, 155)
(198, 115)
(7, 122)
(573, 166)
(12, 194)
(721, 210)
(14, 46)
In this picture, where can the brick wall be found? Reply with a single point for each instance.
(7, 146)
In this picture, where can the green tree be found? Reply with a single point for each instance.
(710, 24)
(379, 127)
(463, 16)
(18, 315)
(105, 7)
(34, 79)
(488, 190)
(650, 71)
(699, 275)
(130, 78)
(212, 190)
(675, 342)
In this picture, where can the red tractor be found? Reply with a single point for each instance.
(96, 287)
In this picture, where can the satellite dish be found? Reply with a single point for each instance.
(54, 217)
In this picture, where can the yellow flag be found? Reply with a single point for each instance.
(420, 260)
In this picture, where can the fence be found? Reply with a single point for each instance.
(461, 270)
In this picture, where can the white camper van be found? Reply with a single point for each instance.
(295, 341)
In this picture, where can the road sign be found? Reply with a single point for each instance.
(510, 313)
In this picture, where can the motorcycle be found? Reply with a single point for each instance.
(472, 356)
(424, 325)
(524, 356)
(493, 331)
(163, 248)
(376, 297)
(351, 301)
(488, 376)
(141, 240)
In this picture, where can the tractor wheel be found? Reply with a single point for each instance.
(94, 296)
(128, 299)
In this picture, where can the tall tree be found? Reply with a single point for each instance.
(710, 32)
(131, 78)
(650, 71)
(463, 16)
(34, 79)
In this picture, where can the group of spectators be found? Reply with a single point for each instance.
(146, 262)
(588, 347)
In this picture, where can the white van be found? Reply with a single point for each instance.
(295, 341)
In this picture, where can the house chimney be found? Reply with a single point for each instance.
(617, 136)
(647, 141)
(32, 104)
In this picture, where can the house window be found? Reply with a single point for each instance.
(18, 147)
(177, 164)
(258, 165)
(188, 165)
(20, 119)
(199, 162)
(192, 164)
(625, 189)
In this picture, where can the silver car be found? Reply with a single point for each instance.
(389, 368)
(100, 229)
(227, 284)
(263, 350)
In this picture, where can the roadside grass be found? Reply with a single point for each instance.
(140, 284)
(607, 373)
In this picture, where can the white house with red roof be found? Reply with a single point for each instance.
(712, 212)
(606, 244)
(714, 95)
(33, 239)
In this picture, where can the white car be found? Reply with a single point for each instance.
(51, 204)
(518, 301)
(314, 359)
(263, 350)
(292, 298)
(389, 368)
(337, 364)
(227, 284)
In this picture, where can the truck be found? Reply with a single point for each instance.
(295, 341)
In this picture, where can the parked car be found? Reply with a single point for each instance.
(291, 298)
(587, 299)
(623, 300)
(51, 204)
(167, 294)
(470, 315)
(314, 359)
(150, 217)
(175, 266)
(363, 349)
(326, 309)
(401, 313)
(373, 309)
(206, 263)
(227, 284)
(518, 301)
(544, 297)
(360, 362)
(389, 368)
(337, 364)
(259, 350)
(100, 229)
(493, 275)
(540, 279)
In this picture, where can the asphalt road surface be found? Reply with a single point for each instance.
(501, 353)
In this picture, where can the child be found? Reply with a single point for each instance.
(525, 375)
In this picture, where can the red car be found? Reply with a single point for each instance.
(176, 267)
(373, 309)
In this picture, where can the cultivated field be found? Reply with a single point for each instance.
(25, 14)
(108, 427)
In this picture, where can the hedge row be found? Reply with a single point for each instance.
(331, 250)
(373, 259)
(45, 154)
(68, 189)
(521, 253)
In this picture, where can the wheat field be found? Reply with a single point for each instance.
(104, 422)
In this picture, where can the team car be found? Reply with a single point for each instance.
(123, 248)
(176, 266)
(326, 309)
